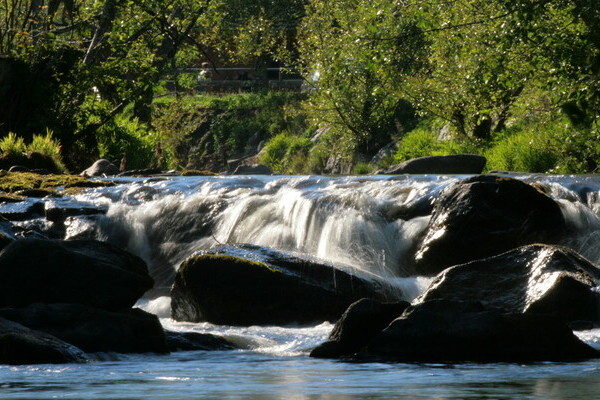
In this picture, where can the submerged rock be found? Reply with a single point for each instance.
(94, 330)
(80, 272)
(358, 325)
(186, 341)
(484, 216)
(448, 331)
(20, 345)
(450, 164)
(531, 279)
(251, 285)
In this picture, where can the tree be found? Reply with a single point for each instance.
(358, 56)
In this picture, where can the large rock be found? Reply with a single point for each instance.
(20, 345)
(92, 329)
(484, 216)
(101, 167)
(358, 325)
(250, 285)
(446, 331)
(80, 272)
(451, 164)
(536, 278)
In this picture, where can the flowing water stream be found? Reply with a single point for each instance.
(352, 222)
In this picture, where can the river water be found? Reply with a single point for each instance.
(348, 221)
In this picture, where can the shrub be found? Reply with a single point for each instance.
(11, 145)
(286, 153)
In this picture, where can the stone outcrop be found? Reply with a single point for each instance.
(531, 279)
(451, 164)
(101, 167)
(79, 272)
(447, 331)
(251, 285)
(92, 329)
(483, 216)
(20, 345)
(357, 326)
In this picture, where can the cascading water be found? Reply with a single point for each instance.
(350, 221)
(366, 223)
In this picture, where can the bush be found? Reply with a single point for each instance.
(423, 141)
(42, 152)
(12, 146)
(523, 151)
(286, 153)
(129, 138)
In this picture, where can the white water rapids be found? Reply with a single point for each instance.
(349, 221)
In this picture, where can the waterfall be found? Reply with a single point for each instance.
(350, 221)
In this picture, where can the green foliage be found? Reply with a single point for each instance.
(363, 169)
(286, 154)
(204, 131)
(424, 141)
(12, 145)
(522, 151)
(358, 69)
(126, 137)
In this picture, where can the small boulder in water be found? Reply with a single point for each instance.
(256, 169)
(531, 279)
(250, 285)
(358, 325)
(20, 346)
(188, 341)
(448, 331)
(92, 329)
(484, 216)
(79, 271)
(101, 167)
(450, 164)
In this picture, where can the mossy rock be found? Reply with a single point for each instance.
(195, 172)
(22, 182)
(266, 287)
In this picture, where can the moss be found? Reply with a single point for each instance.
(195, 172)
(13, 182)
(193, 262)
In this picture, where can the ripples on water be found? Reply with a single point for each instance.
(165, 220)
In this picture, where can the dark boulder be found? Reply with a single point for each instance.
(358, 325)
(536, 278)
(275, 288)
(447, 331)
(187, 341)
(256, 169)
(450, 164)
(80, 272)
(92, 329)
(101, 167)
(20, 345)
(484, 216)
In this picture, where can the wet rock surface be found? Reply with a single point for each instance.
(80, 272)
(20, 345)
(484, 216)
(447, 331)
(358, 325)
(251, 285)
(92, 329)
(531, 279)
